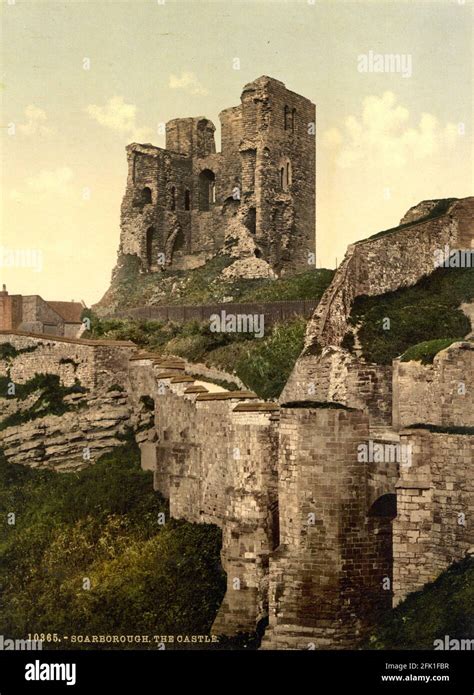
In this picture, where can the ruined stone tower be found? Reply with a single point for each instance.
(180, 201)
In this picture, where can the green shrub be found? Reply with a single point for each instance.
(68, 360)
(265, 365)
(9, 351)
(444, 607)
(50, 400)
(348, 341)
(426, 352)
(427, 311)
(102, 523)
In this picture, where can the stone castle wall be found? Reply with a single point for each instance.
(222, 473)
(435, 508)
(398, 258)
(438, 394)
(387, 262)
(180, 201)
(337, 376)
(93, 363)
(307, 523)
(326, 577)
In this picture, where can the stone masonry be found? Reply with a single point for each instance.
(185, 203)
(316, 538)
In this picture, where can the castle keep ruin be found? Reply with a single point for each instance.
(316, 539)
(182, 203)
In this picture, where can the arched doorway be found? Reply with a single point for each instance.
(146, 197)
(150, 237)
(380, 516)
(207, 189)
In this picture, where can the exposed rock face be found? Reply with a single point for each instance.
(383, 263)
(249, 268)
(419, 211)
(318, 533)
(72, 440)
(97, 419)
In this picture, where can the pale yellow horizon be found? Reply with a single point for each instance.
(82, 79)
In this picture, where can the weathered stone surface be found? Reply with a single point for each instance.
(256, 197)
(437, 394)
(307, 522)
(435, 508)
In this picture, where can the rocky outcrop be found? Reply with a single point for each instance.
(72, 440)
(396, 258)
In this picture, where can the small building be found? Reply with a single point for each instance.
(33, 314)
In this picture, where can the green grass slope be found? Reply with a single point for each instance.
(428, 311)
(263, 364)
(100, 527)
(444, 607)
(204, 285)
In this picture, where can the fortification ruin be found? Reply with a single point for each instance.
(317, 540)
(185, 203)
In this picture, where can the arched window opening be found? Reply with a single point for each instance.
(207, 189)
(275, 524)
(282, 178)
(187, 200)
(146, 196)
(287, 117)
(385, 506)
(293, 120)
(288, 174)
(250, 220)
(173, 198)
(150, 235)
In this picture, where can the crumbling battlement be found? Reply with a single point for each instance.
(181, 201)
(338, 376)
(390, 260)
(436, 394)
(311, 533)
(94, 363)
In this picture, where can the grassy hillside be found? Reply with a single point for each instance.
(428, 311)
(263, 364)
(130, 288)
(444, 607)
(101, 526)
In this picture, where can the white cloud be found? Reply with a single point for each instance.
(46, 182)
(121, 117)
(35, 123)
(382, 133)
(187, 81)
